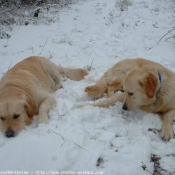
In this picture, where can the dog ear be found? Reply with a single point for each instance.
(31, 109)
(149, 83)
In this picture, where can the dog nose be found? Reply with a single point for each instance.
(9, 133)
(125, 107)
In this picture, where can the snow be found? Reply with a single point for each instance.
(93, 34)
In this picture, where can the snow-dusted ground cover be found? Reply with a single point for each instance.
(96, 34)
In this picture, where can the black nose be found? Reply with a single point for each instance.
(125, 107)
(10, 133)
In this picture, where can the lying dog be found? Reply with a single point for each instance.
(146, 84)
(27, 89)
(112, 80)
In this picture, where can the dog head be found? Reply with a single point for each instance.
(15, 113)
(140, 87)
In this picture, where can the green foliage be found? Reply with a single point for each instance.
(145, 168)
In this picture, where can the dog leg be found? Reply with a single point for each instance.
(167, 121)
(44, 108)
(110, 101)
(115, 84)
(99, 88)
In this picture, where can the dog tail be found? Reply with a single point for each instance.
(73, 74)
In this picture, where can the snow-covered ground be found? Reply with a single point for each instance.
(96, 34)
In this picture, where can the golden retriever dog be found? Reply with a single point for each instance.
(146, 85)
(28, 89)
(112, 80)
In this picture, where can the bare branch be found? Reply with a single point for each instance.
(68, 140)
(165, 35)
(10, 65)
(43, 46)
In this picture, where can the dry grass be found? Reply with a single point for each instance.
(123, 4)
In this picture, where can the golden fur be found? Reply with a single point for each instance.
(112, 80)
(146, 84)
(27, 89)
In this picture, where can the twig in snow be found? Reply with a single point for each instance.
(165, 35)
(68, 140)
(90, 67)
(170, 37)
(72, 95)
(43, 46)
(61, 145)
(10, 65)
(58, 113)
(92, 63)
(145, 168)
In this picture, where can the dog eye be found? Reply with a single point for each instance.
(15, 116)
(130, 93)
(2, 118)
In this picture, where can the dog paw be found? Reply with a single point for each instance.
(42, 119)
(110, 93)
(88, 88)
(80, 106)
(167, 132)
(94, 91)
